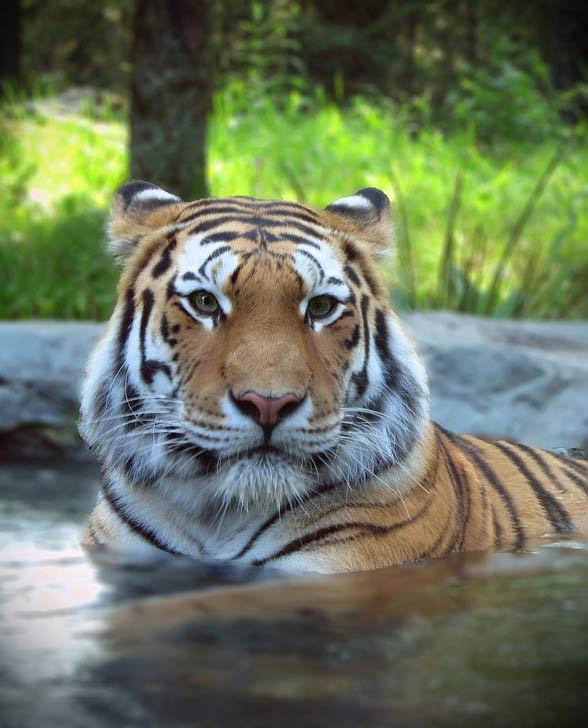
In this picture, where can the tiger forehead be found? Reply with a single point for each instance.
(218, 238)
(251, 226)
(263, 213)
(216, 260)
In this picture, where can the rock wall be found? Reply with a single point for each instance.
(527, 381)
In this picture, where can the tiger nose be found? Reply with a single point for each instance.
(267, 411)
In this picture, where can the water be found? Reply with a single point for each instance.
(498, 639)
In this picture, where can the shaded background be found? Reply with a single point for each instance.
(472, 115)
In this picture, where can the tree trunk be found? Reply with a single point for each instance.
(10, 42)
(171, 90)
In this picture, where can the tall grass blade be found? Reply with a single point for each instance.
(404, 242)
(473, 267)
(518, 228)
(296, 184)
(444, 288)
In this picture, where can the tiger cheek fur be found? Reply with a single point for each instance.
(254, 398)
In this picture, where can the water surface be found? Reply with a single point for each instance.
(482, 639)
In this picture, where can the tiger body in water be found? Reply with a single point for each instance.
(255, 399)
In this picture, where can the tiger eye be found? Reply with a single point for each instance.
(321, 306)
(204, 302)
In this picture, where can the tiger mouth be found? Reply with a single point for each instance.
(262, 452)
(267, 456)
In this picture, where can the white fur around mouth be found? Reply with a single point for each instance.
(262, 478)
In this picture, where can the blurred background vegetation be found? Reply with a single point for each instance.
(471, 114)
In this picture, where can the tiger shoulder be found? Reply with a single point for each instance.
(255, 399)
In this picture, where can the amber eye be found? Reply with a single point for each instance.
(321, 306)
(204, 302)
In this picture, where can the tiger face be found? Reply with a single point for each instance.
(252, 356)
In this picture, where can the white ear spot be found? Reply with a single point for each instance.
(138, 195)
(355, 202)
(154, 194)
(369, 206)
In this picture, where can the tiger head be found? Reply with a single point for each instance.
(252, 352)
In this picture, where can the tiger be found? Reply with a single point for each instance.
(255, 399)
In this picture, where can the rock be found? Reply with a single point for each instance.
(571, 452)
(526, 381)
(41, 366)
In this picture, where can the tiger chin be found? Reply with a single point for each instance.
(255, 399)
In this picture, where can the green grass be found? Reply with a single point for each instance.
(499, 230)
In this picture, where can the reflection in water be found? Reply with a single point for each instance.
(43, 573)
(499, 639)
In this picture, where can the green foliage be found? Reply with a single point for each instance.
(484, 65)
(72, 43)
(59, 170)
(495, 229)
(509, 97)
(263, 49)
(57, 268)
(544, 284)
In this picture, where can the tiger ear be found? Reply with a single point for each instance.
(366, 215)
(138, 209)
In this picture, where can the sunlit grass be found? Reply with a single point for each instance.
(59, 173)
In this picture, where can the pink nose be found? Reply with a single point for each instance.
(267, 411)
